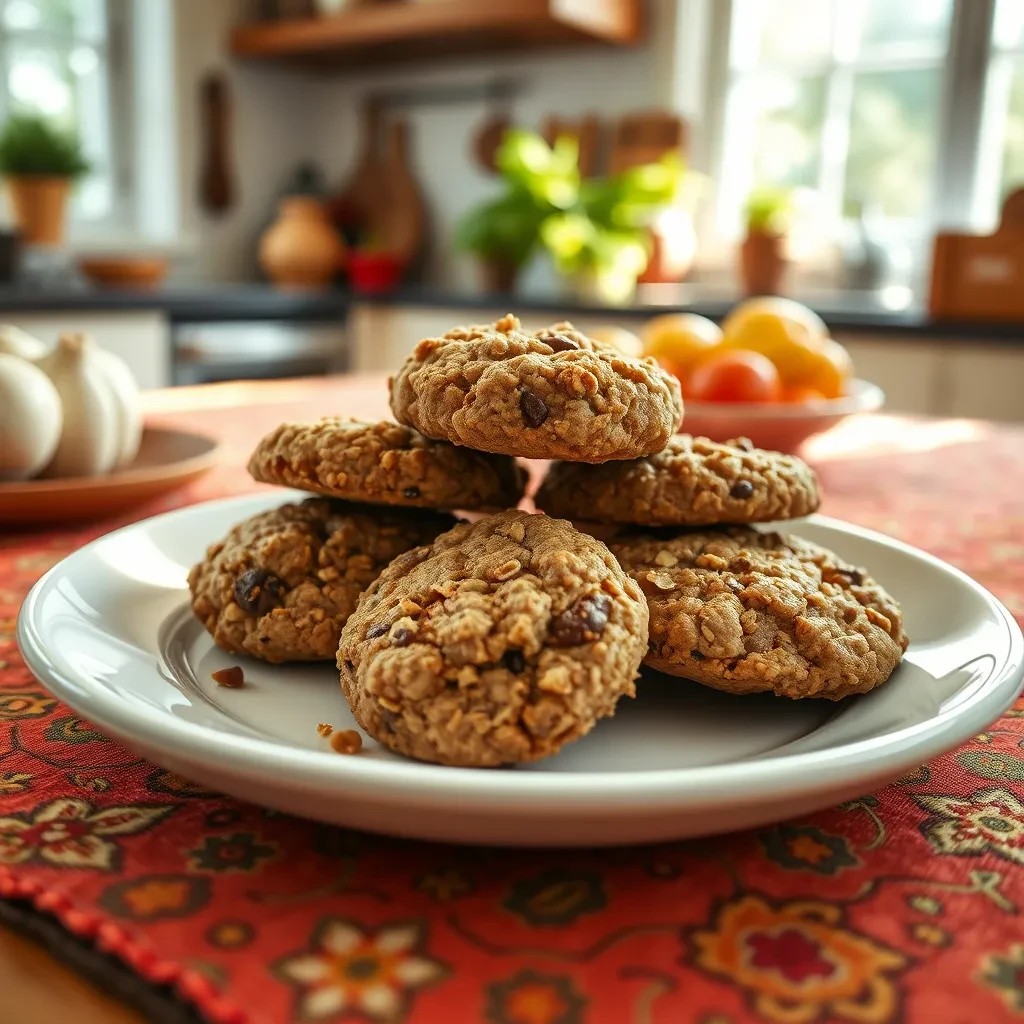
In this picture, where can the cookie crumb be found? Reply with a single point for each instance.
(348, 741)
(231, 678)
(324, 729)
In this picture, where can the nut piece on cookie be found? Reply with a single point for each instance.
(384, 463)
(282, 583)
(552, 394)
(758, 612)
(499, 643)
(692, 482)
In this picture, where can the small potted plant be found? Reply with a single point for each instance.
(763, 260)
(39, 162)
(504, 233)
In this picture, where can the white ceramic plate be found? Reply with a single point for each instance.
(109, 631)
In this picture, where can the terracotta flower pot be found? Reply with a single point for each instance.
(762, 263)
(301, 249)
(38, 203)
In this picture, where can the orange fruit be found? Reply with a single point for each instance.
(826, 370)
(799, 395)
(680, 340)
(784, 331)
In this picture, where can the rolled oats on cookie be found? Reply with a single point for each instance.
(550, 394)
(384, 463)
(282, 583)
(692, 482)
(747, 611)
(498, 643)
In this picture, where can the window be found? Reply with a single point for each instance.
(57, 59)
(844, 97)
(1001, 149)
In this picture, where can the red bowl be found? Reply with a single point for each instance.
(374, 273)
(778, 426)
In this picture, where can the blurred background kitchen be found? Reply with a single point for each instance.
(269, 188)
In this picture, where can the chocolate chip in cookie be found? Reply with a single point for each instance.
(509, 639)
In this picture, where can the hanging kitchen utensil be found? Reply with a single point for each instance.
(587, 133)
(216, 180)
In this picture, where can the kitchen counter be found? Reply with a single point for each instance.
(861, 312)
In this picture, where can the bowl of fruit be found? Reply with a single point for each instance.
(771, 372)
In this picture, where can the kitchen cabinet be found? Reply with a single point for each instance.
(937, 376)
(984, 382)
(140, 337)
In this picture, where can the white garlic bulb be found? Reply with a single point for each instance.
(16, 342)
(102, 424)
(30, 418)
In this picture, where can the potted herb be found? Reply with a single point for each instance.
(762, 253)
(38, 162)
(504, 232)
(601, 242)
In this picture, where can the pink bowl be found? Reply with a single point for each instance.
(780, 427)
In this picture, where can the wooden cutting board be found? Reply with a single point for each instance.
(643, 137)
(587, 133)
(397, 215)
(351, 207)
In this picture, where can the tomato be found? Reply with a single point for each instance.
(799, 395)
(734, 376)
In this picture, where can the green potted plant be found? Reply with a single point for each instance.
(768, 214)
(601, 242)
(38, 162)
(504, 232)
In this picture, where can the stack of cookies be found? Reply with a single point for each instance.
(498, 641)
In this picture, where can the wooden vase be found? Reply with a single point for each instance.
(762, 263)
(301, 249)
(38, 203)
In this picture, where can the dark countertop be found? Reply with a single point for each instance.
(850, 312)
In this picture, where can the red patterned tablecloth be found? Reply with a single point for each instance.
(901, 905)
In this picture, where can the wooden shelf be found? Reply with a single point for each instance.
(402, 30)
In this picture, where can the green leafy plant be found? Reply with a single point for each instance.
(769, 211)
(596, 226)
(31, 145)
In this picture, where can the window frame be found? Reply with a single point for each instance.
(115, 56)
(963, 139)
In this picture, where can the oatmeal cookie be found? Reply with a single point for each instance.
(554, 394)
(384, 463)
(693, 482)
(282, 583)
(749, 612)
(499, 643)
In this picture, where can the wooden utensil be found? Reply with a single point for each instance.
(587, 133)
(645, 136)
(350, 208)
(216, 180)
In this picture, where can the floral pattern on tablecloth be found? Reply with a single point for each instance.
(902, 905)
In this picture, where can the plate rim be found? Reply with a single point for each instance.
(640, 791)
